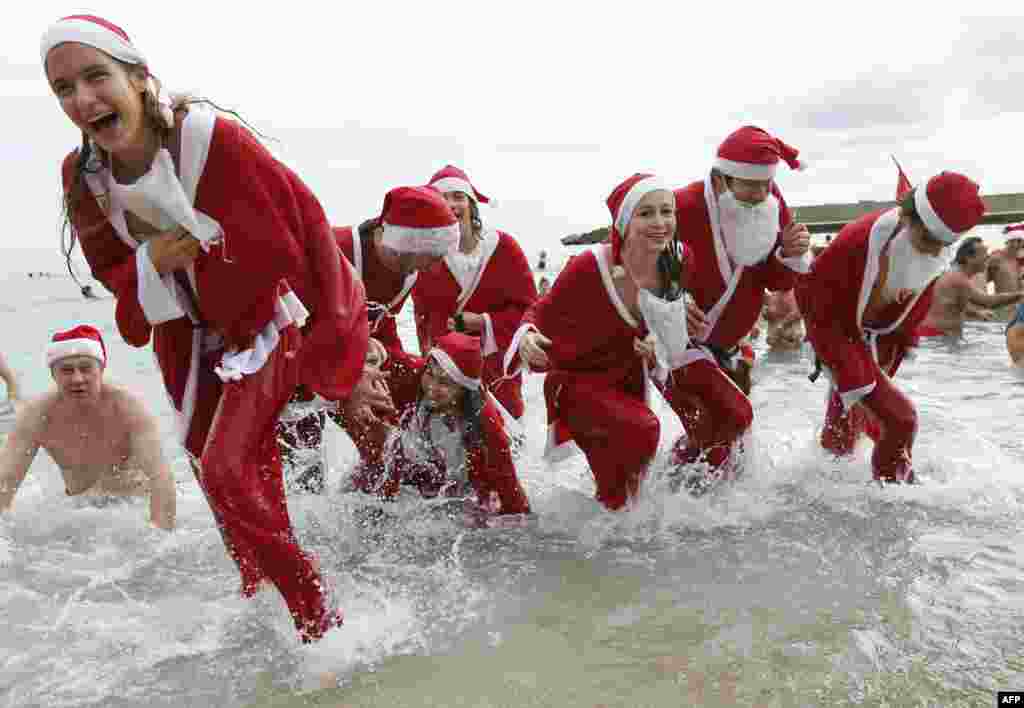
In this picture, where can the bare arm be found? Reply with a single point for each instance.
(983, 299)
(9, 378)
(147, 452)
(18, 452)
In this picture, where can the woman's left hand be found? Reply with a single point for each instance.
(645, 348)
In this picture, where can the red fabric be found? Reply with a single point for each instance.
(614, 203)
(381, 284)
(275, 232)
(707, 283)
(888, 417)
(956, 201)
(828, 297)
(491, 466)
(240, 473)
(713, 410)
(451, 171)
(754, 146)
(928, 331)
(505, 291)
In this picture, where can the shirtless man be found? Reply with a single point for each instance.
(100, 435)
(1015, 337)
(1006, 265)
(784, 321)
(9, 379)
(955, 292)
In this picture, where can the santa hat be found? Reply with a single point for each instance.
(83, 340)
(751, 153)
(622, 202)
(418, 220)
(451, 179)
(1015, 227)
(101, 34)
(459, 357)
(949, 205)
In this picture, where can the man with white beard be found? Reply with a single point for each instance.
(862, 301)
(744, 241)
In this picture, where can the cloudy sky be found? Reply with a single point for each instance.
(548, 105)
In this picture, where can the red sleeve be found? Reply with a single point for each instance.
(274, 229)
(111, 261)
(519, 288)
(562, 312)
(498, 474)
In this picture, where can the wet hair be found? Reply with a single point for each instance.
(967, 249)
(908, 208)
(367, 228)
(87, 162)
(474, 217)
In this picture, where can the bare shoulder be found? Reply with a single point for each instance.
(33, 414)
(129, 407)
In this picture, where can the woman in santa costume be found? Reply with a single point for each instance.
(741, 233)
(219, 253)
(451, 439)
(863, 299)
(614, 320)
(483, 288)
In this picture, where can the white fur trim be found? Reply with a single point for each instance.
(936, 227)
(55, 351)
(797, 264)
(489, 241)
(881, 231)
(91, 34)
(513, 350)
(849, 398)
(555, 453)
(454, 184)
(603, 254)
(158, 295)
(745, 170)
(490, 344)
(235, 364)
(436, 241)
(636, 193)
(452, 369)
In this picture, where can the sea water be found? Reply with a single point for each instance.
(802, 585)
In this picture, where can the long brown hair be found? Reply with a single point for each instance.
(88, 160)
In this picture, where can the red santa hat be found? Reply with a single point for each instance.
(751, 153)
(104, 35)
(83, 340)
(1015, 227)
(451, 179)
(459, 357)
(622, 202)
(949, 205)
(418, 220)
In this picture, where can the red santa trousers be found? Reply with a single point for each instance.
(888, 417)
(234, 436)
(714, 412)
(616, 430)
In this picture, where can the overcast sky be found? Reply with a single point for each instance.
(548, 105)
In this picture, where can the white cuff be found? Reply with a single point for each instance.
(157, 295)
(513, 350)
(799, 264)
(490, 346)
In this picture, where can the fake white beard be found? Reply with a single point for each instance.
(909, 269)
(749, 231)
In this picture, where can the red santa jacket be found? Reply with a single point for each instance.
(591, 332)
(833, 296)
(731, 296)
(502, 291)
(386, 292)
(275, 239)
(491, 467)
